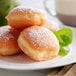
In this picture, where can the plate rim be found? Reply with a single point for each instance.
(38, 68)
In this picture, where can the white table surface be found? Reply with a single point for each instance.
(3, 72)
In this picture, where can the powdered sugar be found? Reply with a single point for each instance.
(5, 33)
(22, 9)
(40, 36)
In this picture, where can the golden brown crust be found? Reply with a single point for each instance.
(22, 17)
(51, 25)
(35, 56)
(8, 41)
(39, 43)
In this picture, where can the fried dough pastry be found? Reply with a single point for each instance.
(38, 43)
(21, 17)
(51, 25)
(8, 41)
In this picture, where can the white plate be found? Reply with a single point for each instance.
(22, 62)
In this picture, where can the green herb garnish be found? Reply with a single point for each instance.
(5, 7)
(64, 36)
(64, 51)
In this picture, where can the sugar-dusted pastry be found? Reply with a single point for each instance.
(38, 43)
(22, 17)
(8, 41)
(51, 25)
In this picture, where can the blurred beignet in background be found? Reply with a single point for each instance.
(8, 40)
(51, 25)
(22, 17)
(38, 43)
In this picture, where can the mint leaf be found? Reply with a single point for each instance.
(63, 51)
(64, 36)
